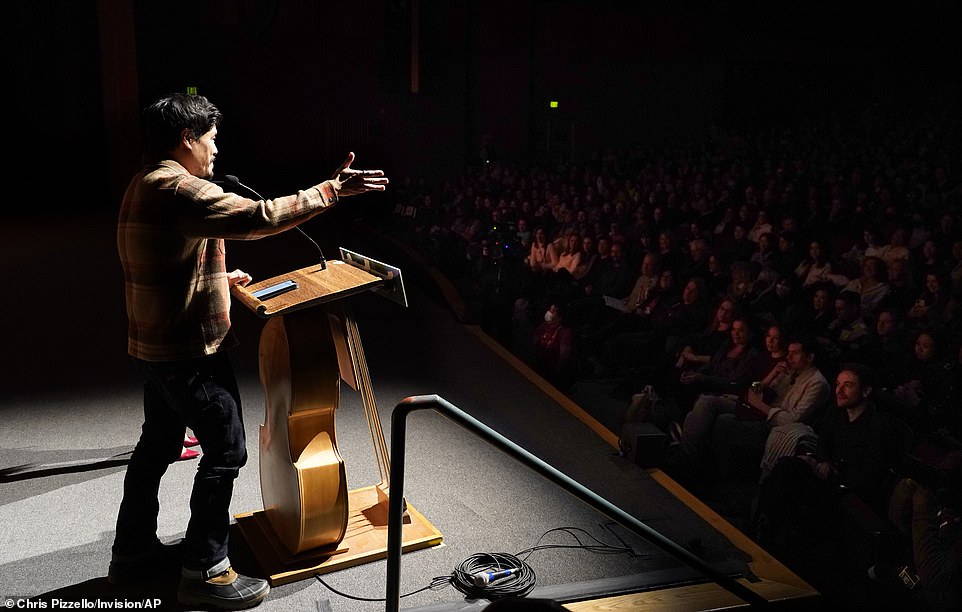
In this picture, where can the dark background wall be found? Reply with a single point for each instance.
(300, 83)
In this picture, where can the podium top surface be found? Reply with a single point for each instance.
(315, 286)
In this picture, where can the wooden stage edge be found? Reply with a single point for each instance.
(365, 540)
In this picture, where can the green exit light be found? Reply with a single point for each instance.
(553, 104)
(192, 90)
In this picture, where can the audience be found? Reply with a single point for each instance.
(846, 235)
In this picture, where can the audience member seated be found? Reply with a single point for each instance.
(896, 249)
(763, 259)
(696, 263)
(668, 253)
(553, 348)
(870, 286)
(934, 304)
(847, 332)
(740, 247)
(954, 266)
(929, 514)
(816, 268)
(928, 259)
(786, 257)
(729, 372)
(902, 292)
(569, 257)
(560, 281)
(741, 287)
(913, 394)
(589, 255)
(867, 247)
(719, 274)
(888, 345)
(820, 312)
(775, 344)
(659, 299)
(542, 256)
(611, 278)
(761, 227)
(698, 349)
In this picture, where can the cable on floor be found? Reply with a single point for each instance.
(499, 575)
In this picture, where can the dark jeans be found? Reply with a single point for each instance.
(201, 394)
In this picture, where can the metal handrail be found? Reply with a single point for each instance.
(396, 500)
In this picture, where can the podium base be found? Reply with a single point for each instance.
(365, 540)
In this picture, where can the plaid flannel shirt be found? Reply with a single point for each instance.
(170, 237)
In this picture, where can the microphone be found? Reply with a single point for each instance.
(232, 181)
(483, 579)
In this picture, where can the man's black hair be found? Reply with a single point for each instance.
(167, 118)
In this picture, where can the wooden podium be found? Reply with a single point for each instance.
(311, 523)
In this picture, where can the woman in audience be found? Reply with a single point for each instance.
(560, 282)
(553, 347)
(569, 258)
(719, 274)
(821, 311)
(764, 259)
(934, 304)
(668, 253)
(761, 227)
(730, 369)
(775, 350)
(919, 382)
(816, 268)
(896, 249)
(928, 259)
(542, 256)
(868, 247)
(871, 285)
(589, 255)
(697, 349)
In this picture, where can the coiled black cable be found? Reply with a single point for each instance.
(518, 584)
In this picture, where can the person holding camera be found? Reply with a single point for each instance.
(930, 514)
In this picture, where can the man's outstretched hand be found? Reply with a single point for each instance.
(353, 182)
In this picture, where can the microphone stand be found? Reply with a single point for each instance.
(231, 181)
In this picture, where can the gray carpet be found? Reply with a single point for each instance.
(71, 411)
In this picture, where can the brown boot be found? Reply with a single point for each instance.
(221, 587)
